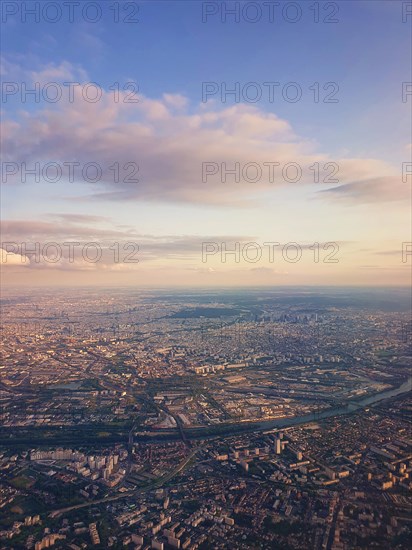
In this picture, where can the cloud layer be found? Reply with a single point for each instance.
(170, 141)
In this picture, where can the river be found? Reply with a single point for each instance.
(350, 407)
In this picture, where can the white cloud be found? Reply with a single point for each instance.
(169, 141)
(9, 258)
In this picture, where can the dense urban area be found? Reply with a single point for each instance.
(206, 419)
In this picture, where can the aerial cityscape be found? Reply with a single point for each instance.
(206, 275)
(206, 419)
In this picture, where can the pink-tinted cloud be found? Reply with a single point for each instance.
(169, 142)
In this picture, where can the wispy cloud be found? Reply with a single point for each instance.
(371, 190)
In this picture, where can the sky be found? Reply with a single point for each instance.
(190, 143)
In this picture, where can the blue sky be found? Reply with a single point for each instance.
(169, 53)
